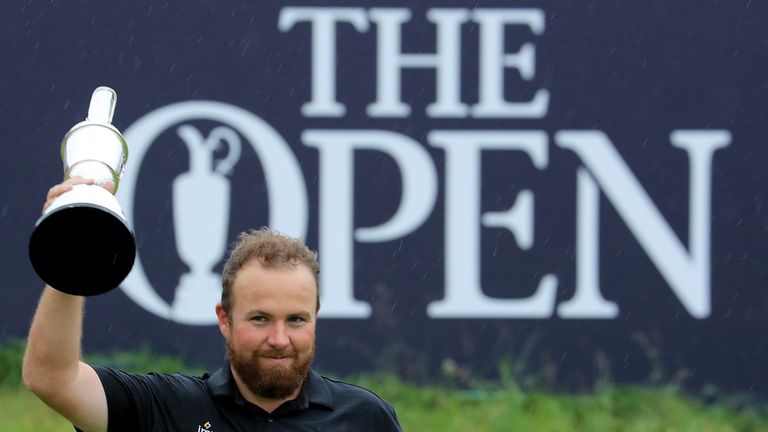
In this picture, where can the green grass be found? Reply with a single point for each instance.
(500, 407)
(21, 411)
(630, 409)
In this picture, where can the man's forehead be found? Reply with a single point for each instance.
(275, 264)
(266, 287)
(256, 264)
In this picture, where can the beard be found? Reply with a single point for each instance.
(270, 382)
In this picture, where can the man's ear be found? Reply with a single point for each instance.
(224, 321)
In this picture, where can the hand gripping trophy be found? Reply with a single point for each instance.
(82, 245)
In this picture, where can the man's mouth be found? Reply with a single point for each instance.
(277, 359)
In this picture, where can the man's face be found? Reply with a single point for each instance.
(270, 330)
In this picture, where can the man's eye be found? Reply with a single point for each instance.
(259, 318)
(297, 320)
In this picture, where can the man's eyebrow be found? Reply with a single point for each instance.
(302, 314)
(255, 312)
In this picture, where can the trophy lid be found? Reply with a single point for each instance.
(102, 106)
(96, 139)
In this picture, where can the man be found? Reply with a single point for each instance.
(267, 315)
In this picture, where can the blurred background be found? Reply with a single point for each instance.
(571, 192)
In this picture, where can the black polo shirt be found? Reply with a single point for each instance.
(176, 402)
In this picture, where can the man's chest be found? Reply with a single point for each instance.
(217, 419)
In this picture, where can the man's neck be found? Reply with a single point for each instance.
(268, 405)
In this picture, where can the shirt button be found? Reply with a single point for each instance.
(271, 420)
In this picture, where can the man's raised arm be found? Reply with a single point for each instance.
(52, 368)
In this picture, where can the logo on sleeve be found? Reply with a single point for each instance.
(206, 427)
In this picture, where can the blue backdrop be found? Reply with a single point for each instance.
(577, 188)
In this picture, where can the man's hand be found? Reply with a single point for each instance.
(67, 186)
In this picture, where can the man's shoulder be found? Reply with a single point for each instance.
(143, 401)
(171, 382)
(360, 405)
(346, 392)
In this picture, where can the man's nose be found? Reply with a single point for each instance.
(278, 337)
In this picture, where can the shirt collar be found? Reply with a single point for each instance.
(318, 390)
(315, 389)
(220, 383)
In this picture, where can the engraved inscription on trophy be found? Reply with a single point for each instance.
(201, 202)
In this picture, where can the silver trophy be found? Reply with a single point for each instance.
(82, 245)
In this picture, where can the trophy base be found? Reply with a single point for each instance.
(82, 249)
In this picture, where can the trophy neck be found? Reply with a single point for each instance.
(94, 150)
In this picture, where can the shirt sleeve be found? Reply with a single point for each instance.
(155, 401)
(137, 401)
(129, 399)
(388, 421)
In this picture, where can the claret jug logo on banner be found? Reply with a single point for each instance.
(201, 196)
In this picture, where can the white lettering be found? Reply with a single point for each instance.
(390, 61)
(446, 60)
(587, 302)
(464, 297)
(323, 21)
(493, 61)
(336, 212)
(687, 273)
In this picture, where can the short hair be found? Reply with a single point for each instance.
(273, 250)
